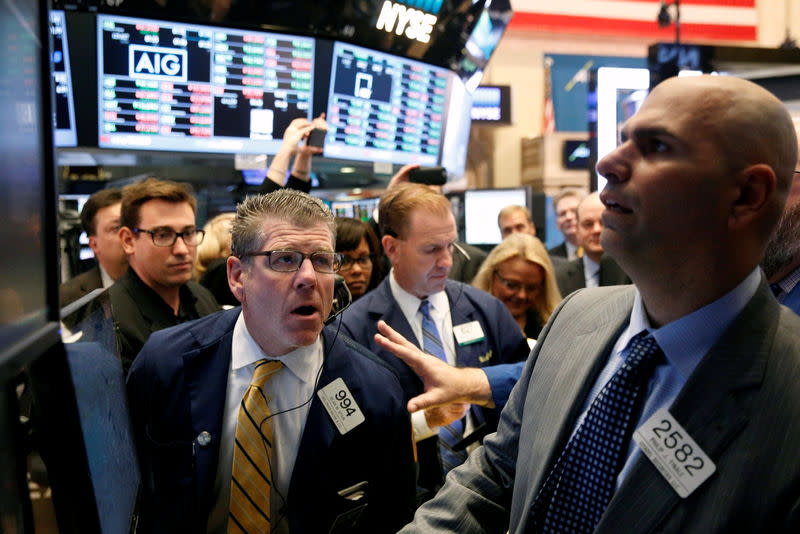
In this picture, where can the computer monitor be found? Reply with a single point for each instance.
(65, 133)
(456, 133)
(186, 87)
(620, 92)
(481, 207)
(384, 108)
(491, 105)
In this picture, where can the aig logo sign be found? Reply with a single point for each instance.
(157, 63)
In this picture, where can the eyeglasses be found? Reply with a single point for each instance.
(362, 261)
(516, 286)
(166, 237)
(288, 261)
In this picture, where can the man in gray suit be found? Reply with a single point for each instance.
(694, 191)
(594, 268)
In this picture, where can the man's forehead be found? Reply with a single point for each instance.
(278, 229)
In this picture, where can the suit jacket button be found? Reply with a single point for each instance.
(204, 438)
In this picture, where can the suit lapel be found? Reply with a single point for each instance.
(385, 307)
(206, 371)
(462, 311)
(708, 410)
(566, 369)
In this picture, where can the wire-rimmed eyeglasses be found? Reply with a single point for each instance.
(287, 261)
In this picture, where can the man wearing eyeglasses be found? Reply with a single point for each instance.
(322, 445)
(159, 234)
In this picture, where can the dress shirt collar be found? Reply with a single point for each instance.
(409, 303)
(302, 362)
(572, 250)
(687, 340)
(105, 278)
(591, 271)
(788, 282)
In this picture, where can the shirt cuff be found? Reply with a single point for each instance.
(419, 425)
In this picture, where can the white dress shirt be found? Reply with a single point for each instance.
(591, 272)
(289, 393)
(440, 313)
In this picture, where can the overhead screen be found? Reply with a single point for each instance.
(620, 92)
(65, 133)
(186, 87)
(481, 207)
(384, 108)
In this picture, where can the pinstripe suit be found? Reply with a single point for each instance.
(741, 405)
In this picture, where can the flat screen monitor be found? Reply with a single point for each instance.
(481, 207)
(65, 132)
(491, 104)
(384, 108)
(185, 87)
(620, 92)
(456, 134)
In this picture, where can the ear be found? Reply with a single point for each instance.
(127, 238)
(93, 243)
(390, 247)
(236, 272)
(756, 188)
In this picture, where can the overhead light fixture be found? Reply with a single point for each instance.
(347, 170)
(665, 19)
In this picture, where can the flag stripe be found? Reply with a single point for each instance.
(729, 20)
(631, 28)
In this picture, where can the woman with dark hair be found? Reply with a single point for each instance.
(363, 261)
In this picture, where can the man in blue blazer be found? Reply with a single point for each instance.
(476, 329)
(694, 191)
(340, 455)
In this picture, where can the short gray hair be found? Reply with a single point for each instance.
(296, 207)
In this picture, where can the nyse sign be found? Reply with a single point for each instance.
(157, 63)
(397, 18)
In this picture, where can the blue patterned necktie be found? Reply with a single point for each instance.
(580, 485)
(450, 434)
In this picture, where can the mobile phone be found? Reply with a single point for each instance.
(317, 137)
(428, 175)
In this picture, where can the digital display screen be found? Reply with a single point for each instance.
(65, 133)
(384, 108)
(481, 207)
(620, 92)
(184, 87)
(491, 104)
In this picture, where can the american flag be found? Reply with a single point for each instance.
(701, 20)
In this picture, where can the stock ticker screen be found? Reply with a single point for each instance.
(384, 108)
(185, 87)
(65, 132)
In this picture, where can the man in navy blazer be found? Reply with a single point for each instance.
(694, 191)
(476, 329)
(186, 386)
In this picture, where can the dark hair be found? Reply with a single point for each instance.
(349, 233)
(136, 194)
(99, 200)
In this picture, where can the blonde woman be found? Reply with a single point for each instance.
(519, 272)
(212, 253)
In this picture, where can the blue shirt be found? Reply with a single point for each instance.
(684, 342)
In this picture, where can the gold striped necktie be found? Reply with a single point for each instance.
(251, 480)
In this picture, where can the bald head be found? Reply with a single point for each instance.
(750, 124)
(696, 187)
